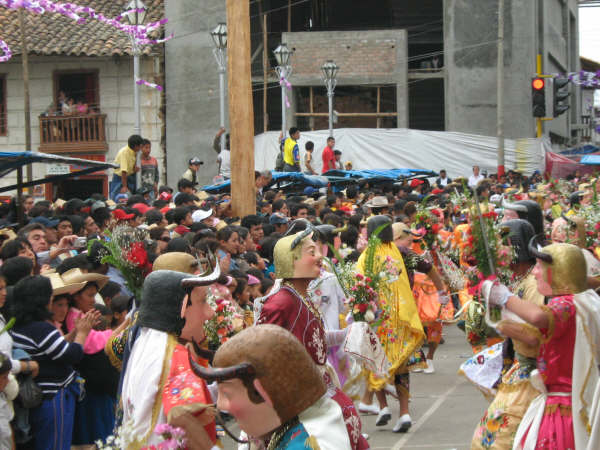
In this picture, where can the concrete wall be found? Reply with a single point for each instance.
(364, 57)
(470, 34)
(115, 80)
(532, 27)
(192, 86)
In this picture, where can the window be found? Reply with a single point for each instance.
(3, 119)
(357, 107)
(79, 86)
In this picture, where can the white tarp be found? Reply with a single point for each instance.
(372, 148)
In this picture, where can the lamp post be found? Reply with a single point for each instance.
(284, 70)
(330, 70)
(136, 18)
(219, 37)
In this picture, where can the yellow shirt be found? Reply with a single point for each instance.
(291, 152)
(126, 159)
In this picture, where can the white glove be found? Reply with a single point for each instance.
(495, 293)
(442, 297)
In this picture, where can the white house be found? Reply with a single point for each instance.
(91, 63)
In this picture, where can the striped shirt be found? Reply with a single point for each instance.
(55, 356)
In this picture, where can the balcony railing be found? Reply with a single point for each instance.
(73, 134)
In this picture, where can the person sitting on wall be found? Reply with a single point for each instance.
(124, 177)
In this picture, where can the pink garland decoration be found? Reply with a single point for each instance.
(78, 13)
(158, 87)
(7, 54)
(284, 82)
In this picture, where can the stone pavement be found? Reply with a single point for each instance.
(445, 407)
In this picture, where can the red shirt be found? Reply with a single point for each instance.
(328, 159)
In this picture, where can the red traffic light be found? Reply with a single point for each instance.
(538, 83)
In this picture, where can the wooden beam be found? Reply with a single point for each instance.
(378, 106)
(241, 111)
(265, 72)
(26, 102)
(311, 107)
(381, 114)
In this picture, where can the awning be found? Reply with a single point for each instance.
(11, 161)
(591, 160)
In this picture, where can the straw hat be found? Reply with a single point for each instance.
(74, 276)
(60, 287)
(379, 201)
(400, 229)
(177, 261)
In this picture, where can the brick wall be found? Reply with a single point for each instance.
(363, 56)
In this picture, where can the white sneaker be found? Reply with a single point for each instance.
(430, 368)
(403, 424)
(417, 370)
(368, 409)
(383, 417)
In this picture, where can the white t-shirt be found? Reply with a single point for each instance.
(473, 180)
(443, 181)
(224, 159)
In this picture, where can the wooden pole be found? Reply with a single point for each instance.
(500, 88)
(289, 24)
(265, 74)
(241, 111)
(26, 103)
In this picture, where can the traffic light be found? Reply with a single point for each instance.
(560, 87)
(538, 97)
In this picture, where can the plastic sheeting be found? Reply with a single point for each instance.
(372, 148)
(559, 166)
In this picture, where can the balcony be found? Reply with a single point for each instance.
(73, 134)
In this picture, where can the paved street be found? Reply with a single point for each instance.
(445, 407)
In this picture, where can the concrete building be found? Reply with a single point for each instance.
(88, 62)
(423, 64)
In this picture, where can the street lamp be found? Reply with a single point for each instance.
(136, 17)
(219, 37)
(330, 70)
(284, 70)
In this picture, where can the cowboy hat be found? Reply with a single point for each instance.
(379, 201)
(60, 287)
(73, 276)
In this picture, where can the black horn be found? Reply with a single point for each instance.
(533, 250)
(241, 371)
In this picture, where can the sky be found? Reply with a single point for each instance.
(589, 33)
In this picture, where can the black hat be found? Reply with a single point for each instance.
(163, 295)
(386, 234)
(530, 211)
(520, 233)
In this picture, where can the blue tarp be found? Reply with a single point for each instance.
(332, 177)
(584, 150)
(590, 160)
(10, 161)
(392, 174)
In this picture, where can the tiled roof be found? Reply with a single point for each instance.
(54, 34)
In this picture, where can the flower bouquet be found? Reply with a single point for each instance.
(174, 438)
(126, 251)
(428, 224)
(226, 322)
(363, 294)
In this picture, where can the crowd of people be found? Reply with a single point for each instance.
(126, 318)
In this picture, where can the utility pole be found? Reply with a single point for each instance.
(26, 103)
(241, 112)
(500, 87)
